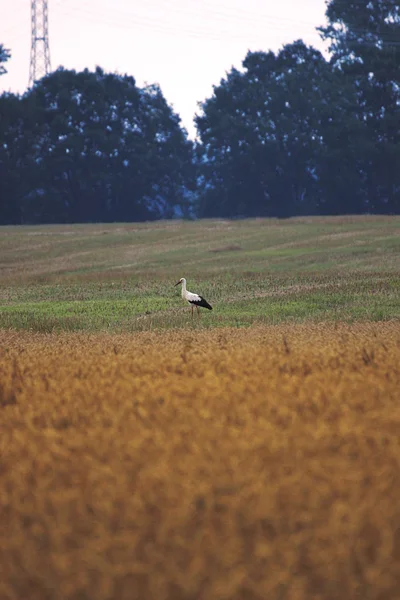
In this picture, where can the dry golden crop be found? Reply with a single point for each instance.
(226, 464)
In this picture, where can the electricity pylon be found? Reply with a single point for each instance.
(40, 52)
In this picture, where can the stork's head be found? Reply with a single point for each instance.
(182, 279)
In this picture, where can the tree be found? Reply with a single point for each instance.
(14, 152)
(101, 149)
(365, 45)
(269, 133)
(4, 56)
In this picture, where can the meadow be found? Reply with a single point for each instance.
(120, 277)
(251, 454)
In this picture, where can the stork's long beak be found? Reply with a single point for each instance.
(177, 283)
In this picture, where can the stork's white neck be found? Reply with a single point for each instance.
(183, 287)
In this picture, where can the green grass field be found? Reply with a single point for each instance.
(120, 277)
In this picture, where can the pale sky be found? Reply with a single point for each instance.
(186, 46)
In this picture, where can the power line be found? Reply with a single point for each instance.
(193, 12)
(127, 19)
(241, 14)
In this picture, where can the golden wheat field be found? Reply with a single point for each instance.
(259, 463)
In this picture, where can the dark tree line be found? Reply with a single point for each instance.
(92, 146)
(291, 133)
(281, 138)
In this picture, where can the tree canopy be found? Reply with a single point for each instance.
(94, 146)
(270, 134)
(365, 45)
(4, 56)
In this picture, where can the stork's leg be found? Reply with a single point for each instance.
(192, 310)
(198, 311)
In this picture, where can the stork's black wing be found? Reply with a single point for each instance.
(201, 302)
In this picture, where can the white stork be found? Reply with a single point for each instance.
(194, 299)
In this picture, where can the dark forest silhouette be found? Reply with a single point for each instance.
(291, 133)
